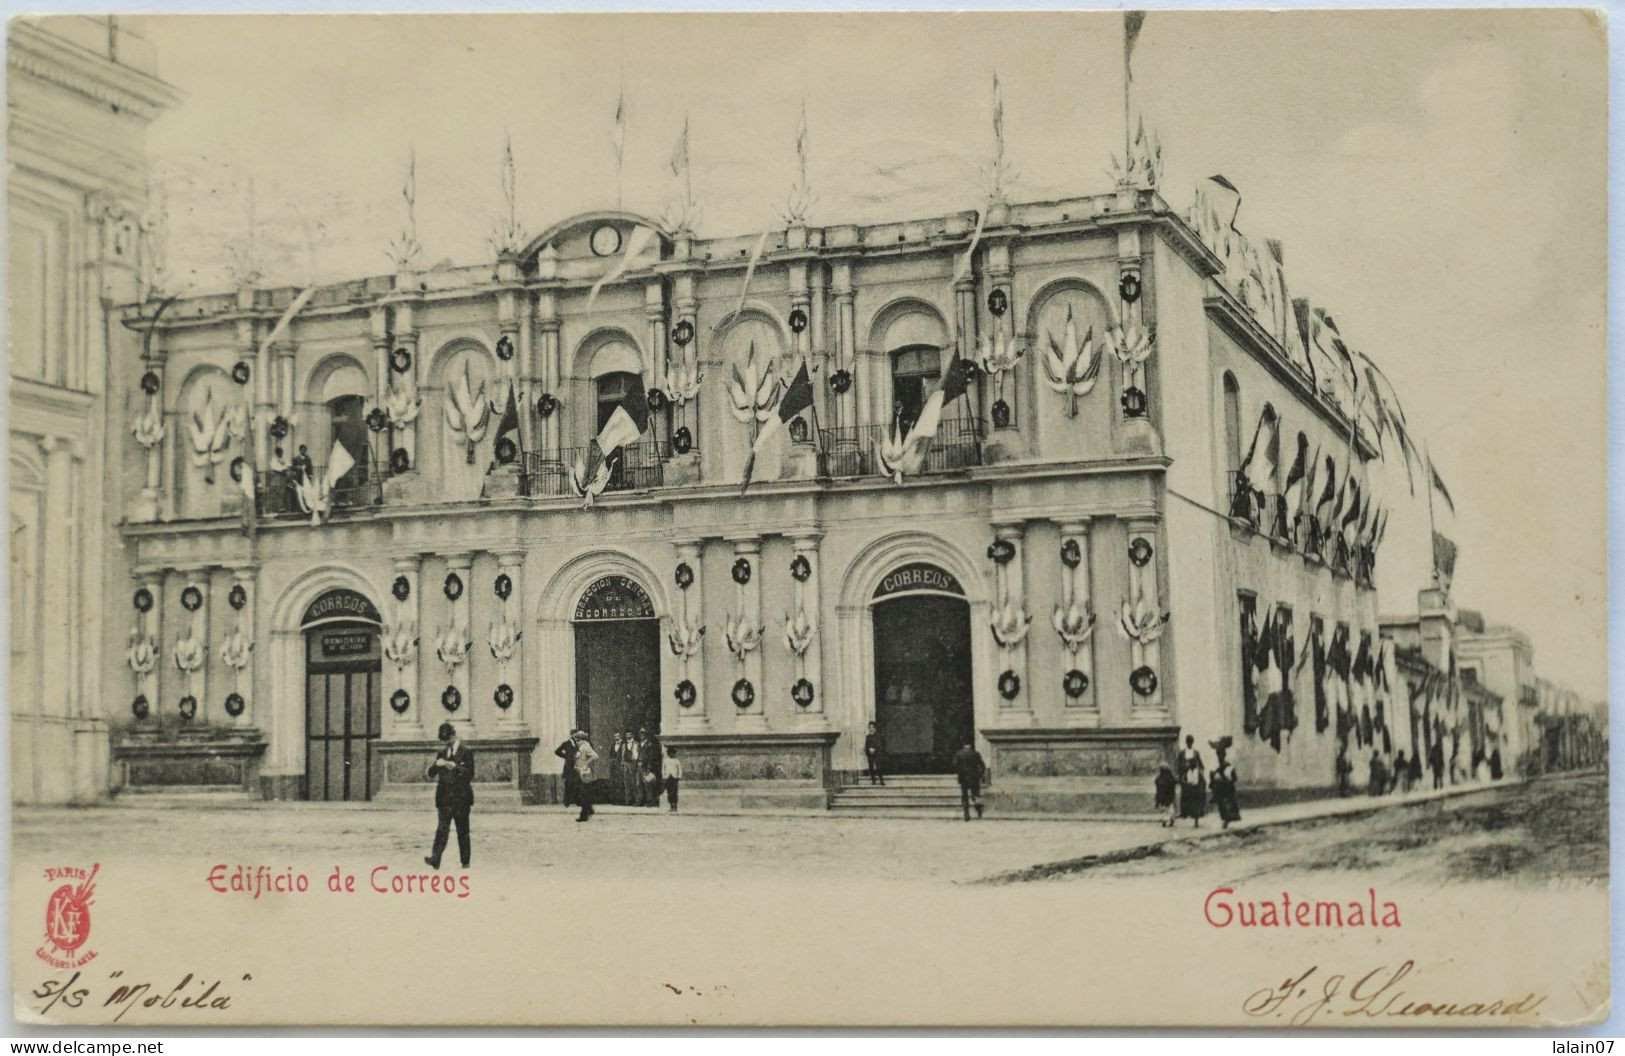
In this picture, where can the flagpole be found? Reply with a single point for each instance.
(1128, 80)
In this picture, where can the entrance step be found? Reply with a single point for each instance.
(905, 794)
(421, 797)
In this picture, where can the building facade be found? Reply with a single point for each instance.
(1068, 575)
(81, 92)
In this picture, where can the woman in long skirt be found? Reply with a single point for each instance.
(1192, 783)
(1223, 783)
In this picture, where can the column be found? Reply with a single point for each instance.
(1003, 327)
(409, 381)
(686, 306)
(802, 631)
(237, 649)
(1145, 679)
(1075, 621)
(965, 316)
(527, 373)
(56, 588)
(265, 397)
(150, 632)
(452, 644)
(686, 635)
(547, 322)
(1011, 623)
(403, 721)
(251, 444)
(191, 649)
(654, 364)
(845, 411)
(743, 633)
(507, 643)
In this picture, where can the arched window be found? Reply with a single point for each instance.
(609, 391)
(914, 372)
(1232, 424)
(347, 416)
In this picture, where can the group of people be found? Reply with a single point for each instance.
(635, 772)
(1403, 774)
(1186, 794)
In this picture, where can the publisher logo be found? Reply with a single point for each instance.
(67, 917)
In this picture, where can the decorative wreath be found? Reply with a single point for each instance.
(191, 599)
(279, 427)
(1128, 287)
(149, 383)
(503, 696)
(454, 586)
(685, 576)
(238, 596)
(1133, 401)
(503, 585)
(686, 694)
(236, 469)
(401, 588)
(399, 460)
(377, 420)
(1139, 551)
(840, 381)
(235, 704)
(682, 333)
(546, 404)
(800, 568)
(1071, 554)
(241, 372)
(682, 440)
(399, 701)
(1143, 681)
(1075, 683)
(188, 707)
(798, 430)
(1001, 414)
(1009, 685)
(1001, 550)
(400, 361)
(142, 600)
(657, 399)
(968, 370)
(139, 706)
(504, 348)
(798, 320)
(744, 694)
(998, 302)
(741, 571)
(506, 450)
(802, 692)
(451, 700)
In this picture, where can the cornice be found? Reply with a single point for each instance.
(40, 55)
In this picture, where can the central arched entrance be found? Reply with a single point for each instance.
(617, 665)
(922, 650)
(343, 708)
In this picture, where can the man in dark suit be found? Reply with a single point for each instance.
(453, 770)
(572, 778)
(648, 763)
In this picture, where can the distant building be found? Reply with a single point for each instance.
(80, 93)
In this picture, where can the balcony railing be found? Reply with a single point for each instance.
(635, 468)
(851, 451)
(278, 496)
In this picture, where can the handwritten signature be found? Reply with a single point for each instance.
(77, 992)
(1377, 994)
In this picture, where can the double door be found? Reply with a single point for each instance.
(343, 713)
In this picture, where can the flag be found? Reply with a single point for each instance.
(949, 388)
(1230, 193)
(339, 462)
(750, 270)
(1297, 478)
(619, 133)
(508, 428)
(1438, 484)
(963, 267)
(1132, 23)
(634, 246)
(679, 153)
(1444, 561)
(801, 139)
(797, 398)
(626, 423)
(1260, 476)
(998, 115)
(286, 321)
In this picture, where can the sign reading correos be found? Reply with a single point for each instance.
(614, 598)
(918, 578)
(340, 605)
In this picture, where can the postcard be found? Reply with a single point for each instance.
(820, 519)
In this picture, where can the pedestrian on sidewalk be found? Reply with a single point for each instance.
(970, 767)
(626, 759)
(572, 778)
(1495, 764)
(1167, 796)
(1223, 782)
(1402, 774)
(1378, 784)
(674, 774)
(587, 768)
(1436, 762)
(1416, 770)
(1345, 769)
(453, 771)
(1192, 783)
(874, 750)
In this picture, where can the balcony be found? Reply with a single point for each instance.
(851, 451)
(277, 495)
(638, 467)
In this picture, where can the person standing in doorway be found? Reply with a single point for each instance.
(874, 751)
(572, 779)
(625, 756)
(587, 768)
(1192, 783)
(453, 771)
(674, 775)
(648, 751)
(971, 770)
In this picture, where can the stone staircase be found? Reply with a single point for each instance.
(903, 795)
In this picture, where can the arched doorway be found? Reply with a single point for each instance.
(922, 650)
(617, 644)
(343, 707)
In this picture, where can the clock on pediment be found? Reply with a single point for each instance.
(605, 240)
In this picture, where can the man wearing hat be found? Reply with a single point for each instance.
(586, 773)
(453, 771)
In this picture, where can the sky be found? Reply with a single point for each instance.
(1437, 179)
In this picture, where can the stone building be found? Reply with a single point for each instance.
(1100, 550)
(80, 94)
